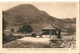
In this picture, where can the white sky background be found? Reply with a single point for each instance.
(56, 9)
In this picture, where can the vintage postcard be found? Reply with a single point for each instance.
(39, 27)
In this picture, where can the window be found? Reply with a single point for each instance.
(51, 31)
(57, 32)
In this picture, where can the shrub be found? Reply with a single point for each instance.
(12, 30)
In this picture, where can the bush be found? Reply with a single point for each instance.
(10, 37)
(12, 30)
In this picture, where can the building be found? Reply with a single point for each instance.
(51, 30)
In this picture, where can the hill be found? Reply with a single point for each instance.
(68, 20)
(29, 14)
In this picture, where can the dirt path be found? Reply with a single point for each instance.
(29, 42)
(35, 39)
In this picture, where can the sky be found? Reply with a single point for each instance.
(56, 9)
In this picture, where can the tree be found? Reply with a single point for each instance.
(25, 29)
(4, 27)
(12, 30)
(4, 24)
(20, 30)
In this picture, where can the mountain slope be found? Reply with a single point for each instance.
(24, 13)
(29, 14)
(68, 20)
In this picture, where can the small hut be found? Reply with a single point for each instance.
(51, 30)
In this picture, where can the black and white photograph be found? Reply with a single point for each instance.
(39, 25)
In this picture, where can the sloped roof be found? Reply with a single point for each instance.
(49, 27)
